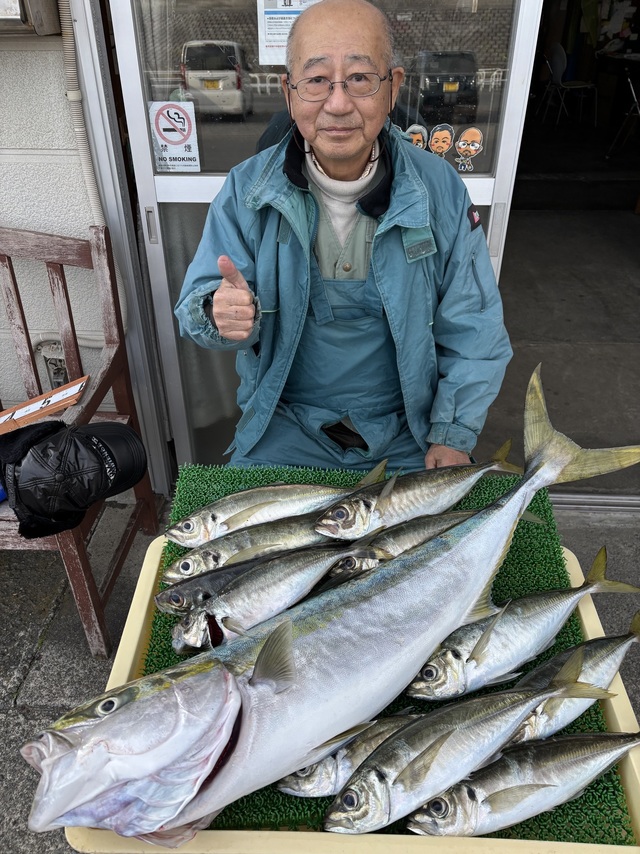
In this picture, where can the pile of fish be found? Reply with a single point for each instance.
(316, 608)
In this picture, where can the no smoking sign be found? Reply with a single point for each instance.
(175, 142)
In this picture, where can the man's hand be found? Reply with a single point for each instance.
(440, 455)
(233, 308)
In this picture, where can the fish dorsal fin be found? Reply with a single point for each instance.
(420, 764)
(598, 571)
(479, 650)
(570, 670)
(634, 628)
(499, 459)
(528, 516)
(342, 738)
(567, 682)
(374, 476)
(252, 552)
(506, 799)
(240, 519)
(274, 663)
(483, 606)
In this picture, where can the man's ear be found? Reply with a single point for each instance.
(284, 79)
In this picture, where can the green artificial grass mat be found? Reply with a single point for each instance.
(534, 562)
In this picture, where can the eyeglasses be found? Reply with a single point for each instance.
(358, 85)
(473, 145)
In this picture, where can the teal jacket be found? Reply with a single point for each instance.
(430, 263)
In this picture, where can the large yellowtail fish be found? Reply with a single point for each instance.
(304, 679)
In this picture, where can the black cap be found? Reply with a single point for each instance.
(53, 473)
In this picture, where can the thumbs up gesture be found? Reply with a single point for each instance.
(233, 307)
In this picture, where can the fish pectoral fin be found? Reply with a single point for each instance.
(274, 664)
(374, 476)
(479, 651)
(251, 552)
(239, 520)
(508, 798)
(383, 501)
(332, 744)
(506, 677)
(483, 606)
(420, 764)
(528, 516)
(365, 541)
(232, 626)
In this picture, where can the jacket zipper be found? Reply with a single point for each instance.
(483, 300)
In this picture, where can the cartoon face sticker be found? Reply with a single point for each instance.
(441, 139)
(418, 135)
(468, 144)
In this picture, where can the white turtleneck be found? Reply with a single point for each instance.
(339, 197)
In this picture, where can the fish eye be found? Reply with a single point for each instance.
(176, 599)
(305, 772)
(186, 567)
(429, 672)
(349, 799)
(349, 563)
(340, 514)
(107, 706)
(187, 526)
(438, 808)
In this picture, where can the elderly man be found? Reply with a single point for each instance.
(348, 268)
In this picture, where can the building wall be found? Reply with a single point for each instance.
(41, 189)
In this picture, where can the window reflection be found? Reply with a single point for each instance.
(455, 53)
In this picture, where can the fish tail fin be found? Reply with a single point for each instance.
(598, 581)
(500, 459)
(541, 439)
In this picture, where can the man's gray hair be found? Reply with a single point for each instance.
(391, 59)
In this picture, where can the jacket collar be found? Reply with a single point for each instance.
(374, 203)
(405, 200)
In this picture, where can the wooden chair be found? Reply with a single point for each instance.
(112, 375)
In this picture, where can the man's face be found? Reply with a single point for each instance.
(334, 40)
(440, 141)
(470, 143)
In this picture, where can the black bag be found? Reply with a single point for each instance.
(53, 473)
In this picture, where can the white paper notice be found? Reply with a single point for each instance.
(275, 19)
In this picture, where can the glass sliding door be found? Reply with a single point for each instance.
(202, 93)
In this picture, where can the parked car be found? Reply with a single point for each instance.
(216, 78)
(441, 86)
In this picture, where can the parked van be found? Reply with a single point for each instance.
(216, 77)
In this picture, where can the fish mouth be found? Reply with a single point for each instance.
(420, 829)
(329, 529)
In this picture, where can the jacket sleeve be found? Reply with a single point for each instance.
(472, 344)
(223, 234)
